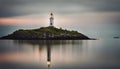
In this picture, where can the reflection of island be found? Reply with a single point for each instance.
(51, 53)
(38, 46)
(46, 42)
(46, 33)
(43, 48)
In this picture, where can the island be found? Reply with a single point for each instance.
(46, 33)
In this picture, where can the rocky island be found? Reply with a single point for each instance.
(45, 33)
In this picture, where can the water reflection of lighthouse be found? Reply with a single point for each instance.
(48, 55)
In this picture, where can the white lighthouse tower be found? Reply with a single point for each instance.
(51, 20)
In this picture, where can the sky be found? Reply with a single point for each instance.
(94, 18)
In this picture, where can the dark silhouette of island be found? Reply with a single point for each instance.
(46, 33)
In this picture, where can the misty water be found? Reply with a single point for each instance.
(60, 54)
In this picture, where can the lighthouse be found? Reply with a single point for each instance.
(51, 20)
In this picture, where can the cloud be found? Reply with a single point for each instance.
(10, 8)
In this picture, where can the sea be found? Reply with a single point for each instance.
(60, 54)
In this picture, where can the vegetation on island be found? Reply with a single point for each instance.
(45, 33)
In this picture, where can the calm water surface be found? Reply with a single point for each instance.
(60, 54)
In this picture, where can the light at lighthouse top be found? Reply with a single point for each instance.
(52, 15)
